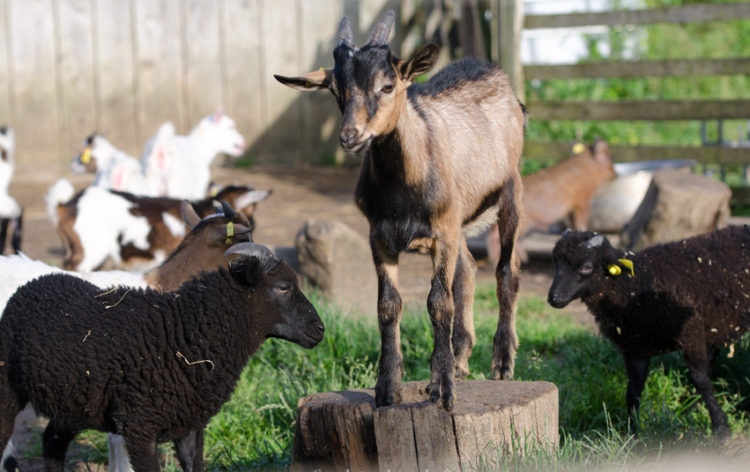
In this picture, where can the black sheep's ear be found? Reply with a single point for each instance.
(253, 272)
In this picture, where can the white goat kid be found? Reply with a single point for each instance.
(9, 208)
(180, 167)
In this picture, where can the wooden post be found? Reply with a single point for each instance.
(510, 23)
(344, 430)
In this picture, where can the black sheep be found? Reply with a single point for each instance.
(151, 367)
(691, 296)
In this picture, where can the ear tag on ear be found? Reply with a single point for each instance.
(86, 156)
(214, 191)
(615, 270)
(230, 233)
(578, 148)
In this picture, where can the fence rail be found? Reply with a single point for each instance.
(634, 69)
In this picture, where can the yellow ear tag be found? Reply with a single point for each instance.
(615, 270)
(214, 191)
(230, 232)
(86, 156)
(578, 148)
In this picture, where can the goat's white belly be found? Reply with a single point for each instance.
(481, 223)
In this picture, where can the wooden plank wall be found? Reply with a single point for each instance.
(123, 67)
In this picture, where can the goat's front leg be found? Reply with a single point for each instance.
(463, 301)
(17, 230)
(440, 306)
(391, 367)
(506, 272)
(637, 369)
(190, 451)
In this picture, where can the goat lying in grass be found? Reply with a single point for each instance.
(134, 232)
(691, 296)
(150, 366)
(10, 211)
(440, 159)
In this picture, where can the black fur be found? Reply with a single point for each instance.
(688, 296)
(152, 367)
(457, 74)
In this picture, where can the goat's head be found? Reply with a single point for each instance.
(221, 131)
(286, 312)
(97, 152)
(7, 144)
(243, 199)
(583, 259)
(369, 83)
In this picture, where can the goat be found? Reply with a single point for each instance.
(560, 193)
(180, 166)
(689, 296)
(114, 168)
(78, 354)
(437, 158)
(132, 231)
(10, 211)
(202, 249)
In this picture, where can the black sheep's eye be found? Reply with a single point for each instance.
(586, 268)
(387, 88)
(284, 288)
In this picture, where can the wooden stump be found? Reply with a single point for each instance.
(344, 430)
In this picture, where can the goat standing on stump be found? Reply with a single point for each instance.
(437, 158)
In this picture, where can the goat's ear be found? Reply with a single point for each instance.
(421, 62)
(189, 215)
(248, 274)
(319, 79)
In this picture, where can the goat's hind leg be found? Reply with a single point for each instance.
(190, 451)
(391, 366)
(463, 338)
(506, 272)
(3, 233)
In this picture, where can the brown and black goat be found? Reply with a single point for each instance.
(438, 159)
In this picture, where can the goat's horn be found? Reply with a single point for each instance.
(382, 30)
(346, 38)
(251, 250)
(228, 210)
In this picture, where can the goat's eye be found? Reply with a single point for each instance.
(586, 268)
(284, 288)
(387, 88)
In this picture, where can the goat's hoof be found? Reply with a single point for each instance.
(387, 396)
(461, 371)
(502, 373)
(722, 434)
(448, 401)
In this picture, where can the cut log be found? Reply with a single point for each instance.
(344, 430)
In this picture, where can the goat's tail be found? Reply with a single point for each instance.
(59, 193)
(525, 115)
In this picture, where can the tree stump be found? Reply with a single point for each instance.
(344, 430)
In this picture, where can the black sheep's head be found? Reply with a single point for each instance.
(285, 312)
(582, 261)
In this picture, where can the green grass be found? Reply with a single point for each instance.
(254, 430)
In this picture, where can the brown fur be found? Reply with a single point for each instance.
(439, 159)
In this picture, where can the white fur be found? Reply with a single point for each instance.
(104, 219)
(175, 225)
(180, 167)
(9, 208)
(58, 194)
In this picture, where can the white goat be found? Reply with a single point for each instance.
(9, 208)
(180, 167)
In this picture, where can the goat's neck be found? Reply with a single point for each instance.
(172, 272)
(403, 152)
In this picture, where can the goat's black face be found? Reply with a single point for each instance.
(290, 315)
(578, 257)
(369, 84)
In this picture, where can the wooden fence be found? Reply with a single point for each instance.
(69, 67)
(687, 109)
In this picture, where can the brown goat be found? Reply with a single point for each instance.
(438, 158)
(560, 193)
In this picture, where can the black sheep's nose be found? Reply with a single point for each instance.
(348, 137)
(321, 329)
